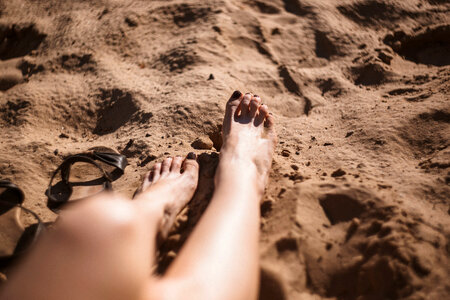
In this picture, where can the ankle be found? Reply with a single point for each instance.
(237, 177)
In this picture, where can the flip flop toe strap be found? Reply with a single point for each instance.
(112, 159)
(116, 160)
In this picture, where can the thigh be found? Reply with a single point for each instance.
(99, 249)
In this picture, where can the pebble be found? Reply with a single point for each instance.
(285, 153)
(202, 143)
(338, 173)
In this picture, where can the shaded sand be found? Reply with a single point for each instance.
(358, 203)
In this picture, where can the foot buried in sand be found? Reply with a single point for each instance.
(172, 185)
(249, 140)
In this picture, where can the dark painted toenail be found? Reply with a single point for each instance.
(236, 95)
(191, 155)
(256, 96)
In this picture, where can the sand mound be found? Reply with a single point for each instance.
(358, 205)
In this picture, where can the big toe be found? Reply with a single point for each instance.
(233, 104)
(190, 166)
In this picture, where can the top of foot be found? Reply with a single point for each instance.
(249, 136)
(170, 185)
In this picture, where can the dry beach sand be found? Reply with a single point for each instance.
(358, 201)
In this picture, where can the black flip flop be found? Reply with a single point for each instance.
(15, 241)
(93, 157)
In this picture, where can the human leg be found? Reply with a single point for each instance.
(220, 258)
(103, 247)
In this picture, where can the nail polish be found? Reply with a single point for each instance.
(236, 95)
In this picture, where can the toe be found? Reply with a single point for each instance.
(176, 164)
(147, 182)
(190, 165)
(165, 166)
(156, 172)
(270, 121)
(243, 106)
(254, 105)
(233, 104)
(262, 114)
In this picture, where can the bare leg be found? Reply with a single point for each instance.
(220, 259)
(103, 248)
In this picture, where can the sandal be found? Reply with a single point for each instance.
(15, 238)
(101, 158)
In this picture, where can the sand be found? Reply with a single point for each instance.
(358, 201)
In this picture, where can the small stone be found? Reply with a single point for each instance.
(338, 173)
(349, 134)
(285, 153)
(202, 143)
(129, 144)
(131, 21)
(171, 254)
(63, 136)
(56, 152)
(148, 135)
(211, 77)
(328, 144)
(266, 207)
(294, 167)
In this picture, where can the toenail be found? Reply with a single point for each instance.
(256, 96)
(191, 155)
(236, 95)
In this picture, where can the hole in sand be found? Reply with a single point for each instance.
(340, 207)
(117, 108)
(430, 47)
(18, 40)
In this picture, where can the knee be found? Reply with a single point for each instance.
(105, 217)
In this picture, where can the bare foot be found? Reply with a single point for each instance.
(249, 140)
(170, 184)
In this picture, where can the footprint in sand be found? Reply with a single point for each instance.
(429, 46)
(16, 41)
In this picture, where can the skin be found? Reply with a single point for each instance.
(104, 247)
